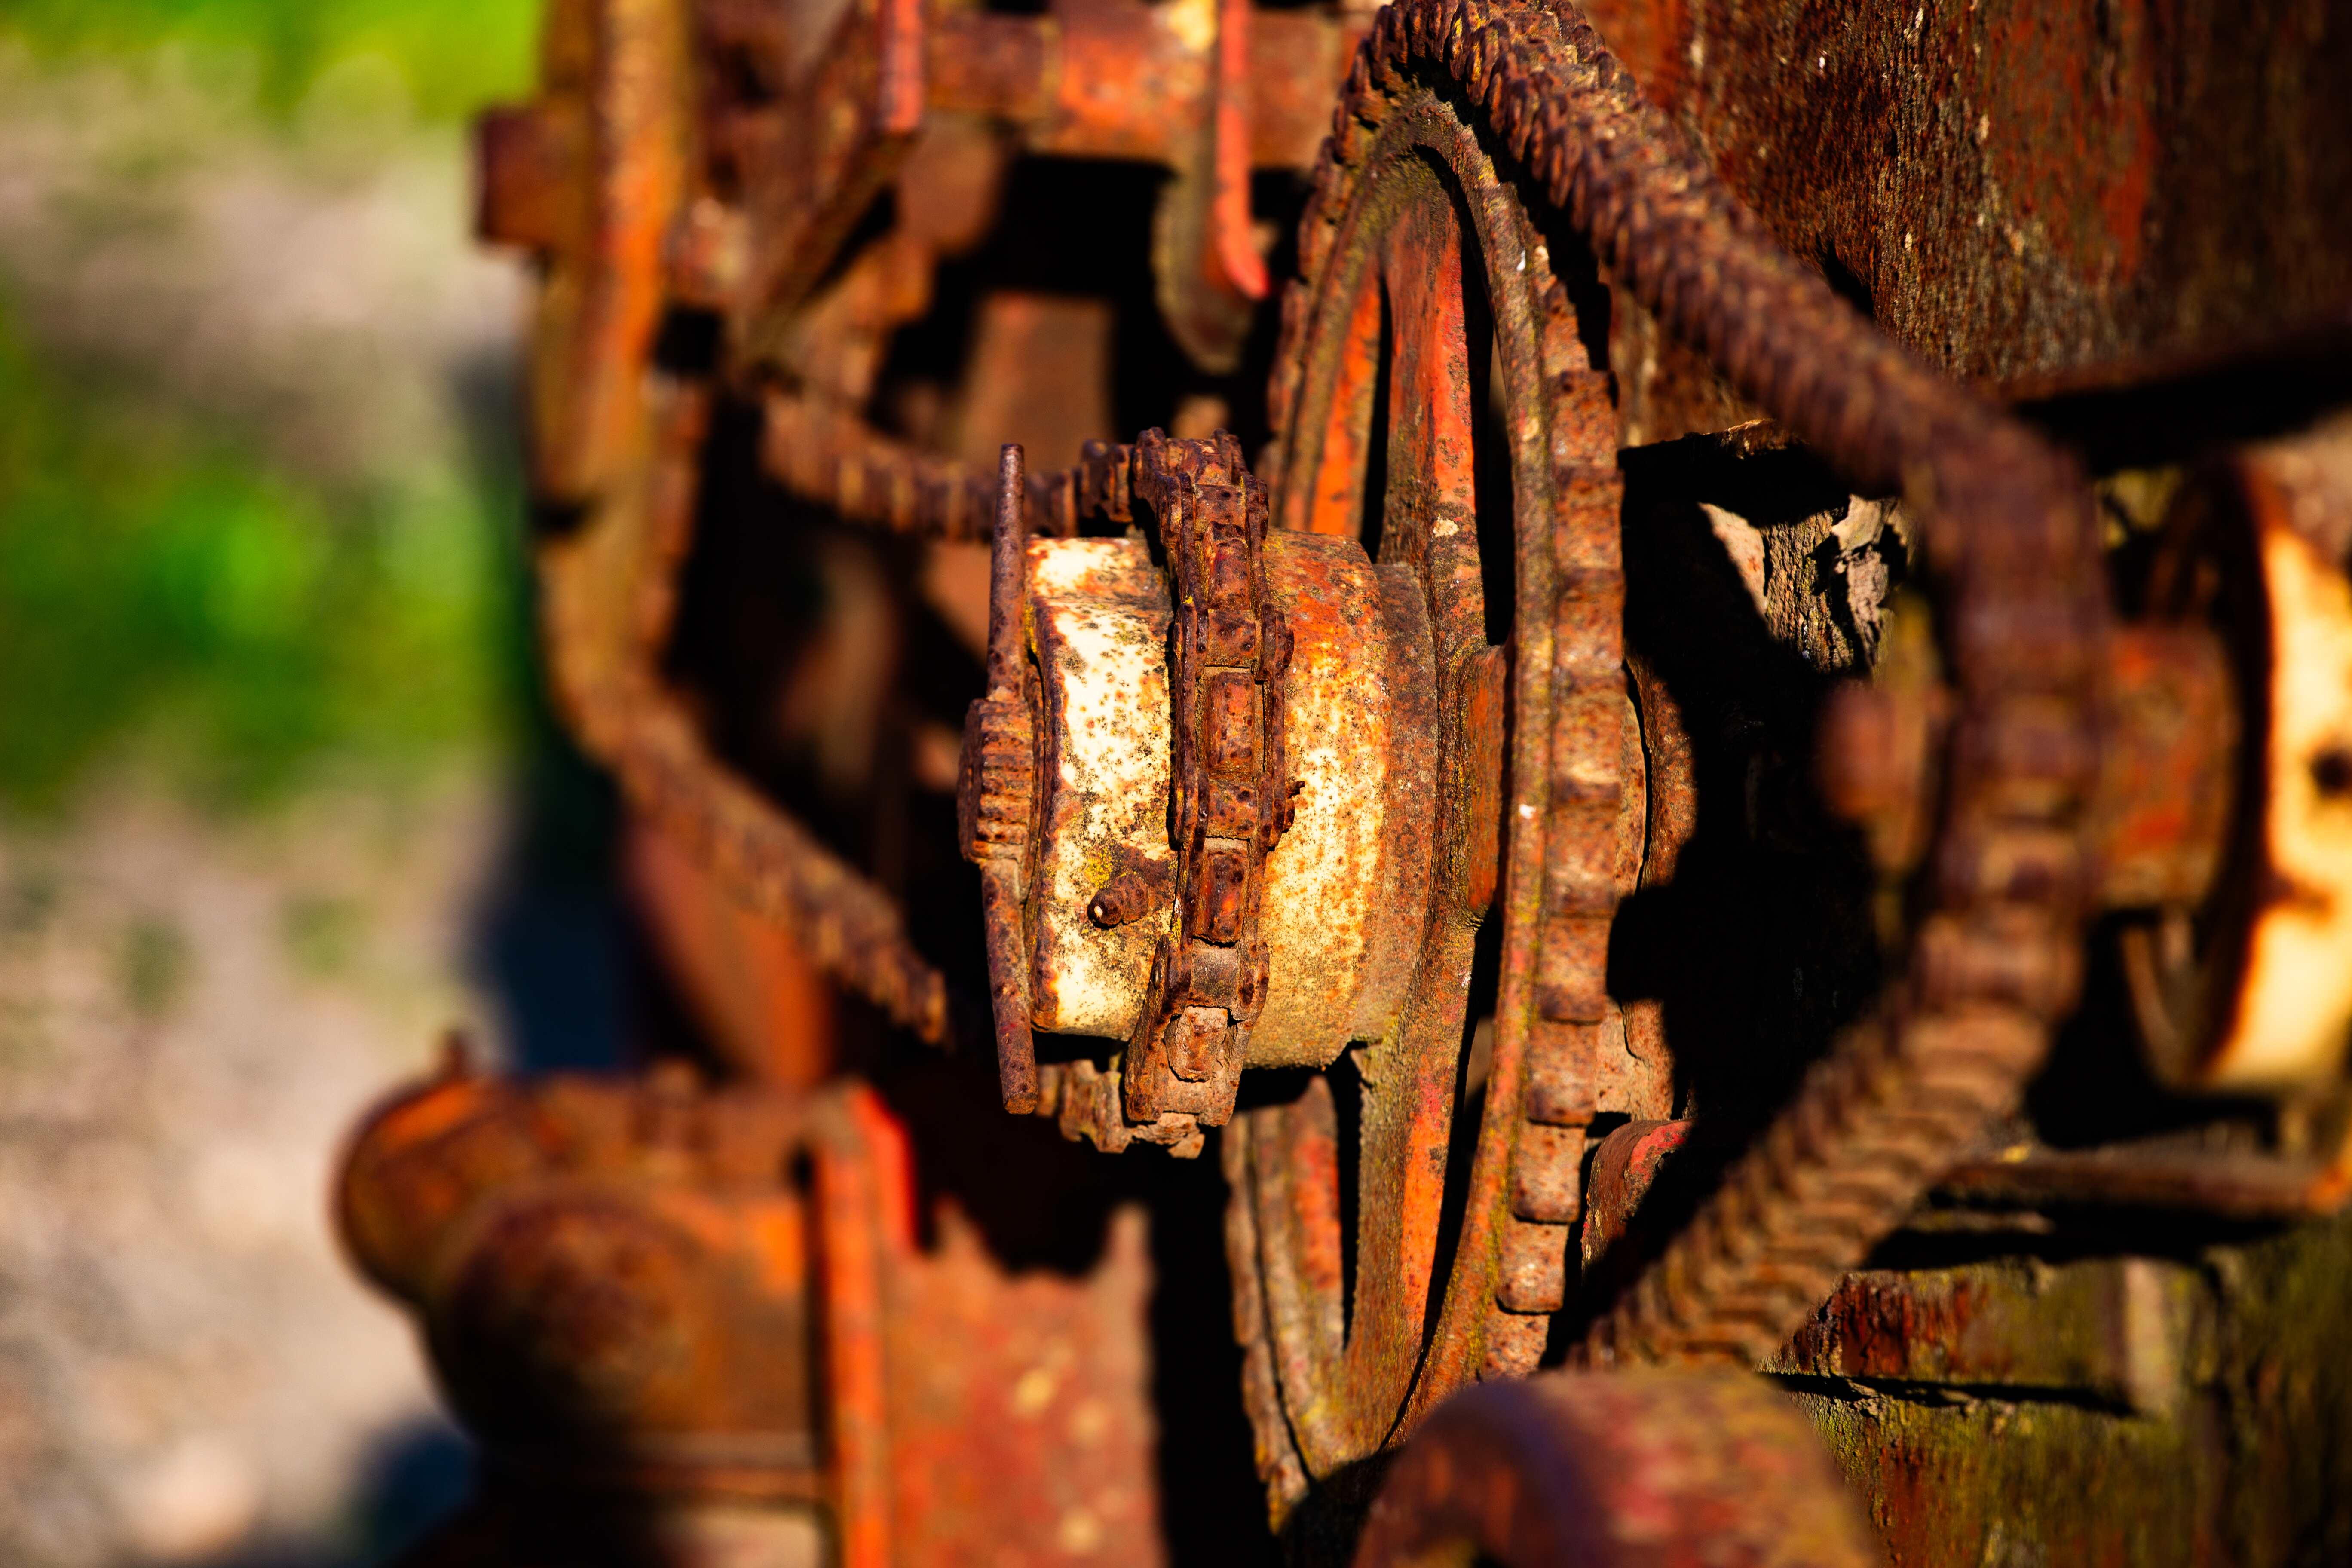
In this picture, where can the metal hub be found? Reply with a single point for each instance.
(1226, 803)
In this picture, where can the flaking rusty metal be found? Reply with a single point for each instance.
(1338, 890)
(1342, 890)
(1099, 613)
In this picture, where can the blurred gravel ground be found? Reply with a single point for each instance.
(190, 1017)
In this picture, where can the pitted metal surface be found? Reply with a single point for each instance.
(1098, 617)
(1357, 855)
(1358, 740)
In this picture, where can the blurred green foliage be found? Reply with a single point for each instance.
(155, 579)
(162, 581)
(456, 55)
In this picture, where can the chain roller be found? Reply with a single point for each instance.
(1230, 794)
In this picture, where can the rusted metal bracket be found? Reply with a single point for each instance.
(643, 1312)
(1206, 257)
(812, 161)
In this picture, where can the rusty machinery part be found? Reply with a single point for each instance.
(608, 592)
(792, 138)
(1229, 785)
(1205, 258)
(633, 1289)
(2010, 534)
(1125, 779)
(589, 179)
(605, 1272)
(2219, 831)
(1652, 1467)
(1994, 960)
(2252, 990)
(627, 207)
(710, 156)
(829, 455)
(1209, 91)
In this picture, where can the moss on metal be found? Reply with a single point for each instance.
(2247, 1462)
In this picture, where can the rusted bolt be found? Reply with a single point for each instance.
(1126, 898)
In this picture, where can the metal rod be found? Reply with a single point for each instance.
(1008, 565)
(1008, 978)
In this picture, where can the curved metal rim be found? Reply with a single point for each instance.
(1332, 1414)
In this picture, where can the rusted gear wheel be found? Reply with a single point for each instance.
(1659, 1468)
(1434, 397)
